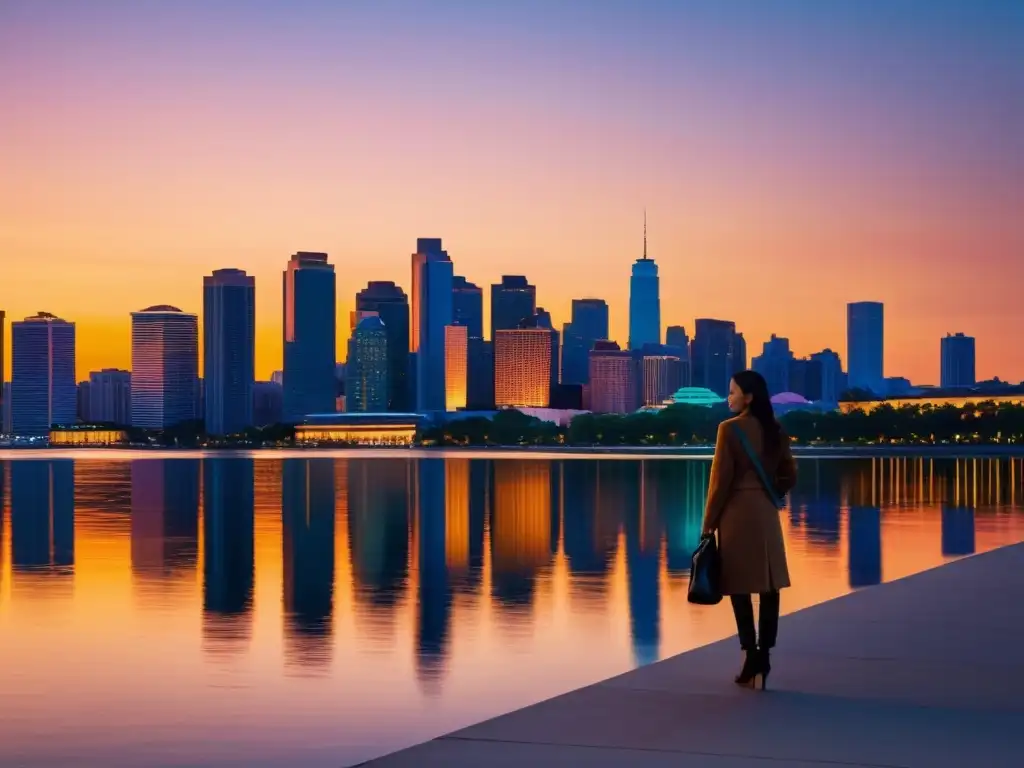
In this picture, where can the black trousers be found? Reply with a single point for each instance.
(743, 609)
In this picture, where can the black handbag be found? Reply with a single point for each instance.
(705, 587)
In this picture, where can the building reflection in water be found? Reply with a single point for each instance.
(521, 530)
(3, 519)
(434, 595)
(957, 530)
(308, 515)
(456, 519)
(684, 490)
(480, 482)
(438, 530)
(588, 549)
(378, 534)
(815, 503)
(961, 497)
(643, 556)
(865, 546)
(43, 516)
(165, 517)
(228, 552)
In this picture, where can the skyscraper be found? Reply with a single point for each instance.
(5, 416)
(480, 383)
(522, 368)
(832, 378)
(739, 353)
(165, 366)
(468, 311)
(267, 403)
(774, 364)
(468, 306)
(392, 306)
(644, 301)
(432, 275)
(676, 336)
(110, 396)
(512, 300)
(43, 387)
(229, 350)
(589, 324)
(456, 367)
(83, 401)
(366, 389)
(957, 353)
(865, 349)
(310, 336)
(614, 379)
(713, 354)
(542, 319)
(661, 374)
(3, 352)
(678, 342)
(806, 378)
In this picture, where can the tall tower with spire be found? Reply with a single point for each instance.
(644, 300)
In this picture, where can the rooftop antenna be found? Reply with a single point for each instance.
(645, 234)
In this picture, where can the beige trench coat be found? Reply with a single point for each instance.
(753, 553)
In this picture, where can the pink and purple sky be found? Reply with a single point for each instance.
(792, 156)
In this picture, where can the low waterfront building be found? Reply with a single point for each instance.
(785, 402)
(369, 429)
(701, 396)
(88, 436)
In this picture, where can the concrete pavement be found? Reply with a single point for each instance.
(924, 672)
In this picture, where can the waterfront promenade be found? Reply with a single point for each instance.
(924, 672)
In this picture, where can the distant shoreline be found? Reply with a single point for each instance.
(689, 451)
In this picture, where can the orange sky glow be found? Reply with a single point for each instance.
(777, 189)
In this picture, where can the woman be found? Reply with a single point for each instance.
(743, 508)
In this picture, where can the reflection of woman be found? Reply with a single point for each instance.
(742, 507)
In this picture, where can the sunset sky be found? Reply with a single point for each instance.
(792, 156)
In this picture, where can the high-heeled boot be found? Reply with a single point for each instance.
(751, 669)
(765, 666)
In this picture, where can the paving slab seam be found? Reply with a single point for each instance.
(862, 700)
(662, 751)
(980, 665)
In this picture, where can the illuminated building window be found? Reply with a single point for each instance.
(456, 364)
(83, 437)
(522, 368)
(358, 429)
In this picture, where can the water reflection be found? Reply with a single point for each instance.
(228, 553)
(308, 518)
(43, 517)
(3, 518)
(482, 584)
(684, 491)
(164, 518)
(643, 555)
(434, 595)
(814, 503)
(378, 532)
(957, 530)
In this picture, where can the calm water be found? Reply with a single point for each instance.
(268, 611)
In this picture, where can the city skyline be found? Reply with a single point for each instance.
(822, 163)
(855, 329)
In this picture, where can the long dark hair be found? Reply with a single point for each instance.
(753, 383)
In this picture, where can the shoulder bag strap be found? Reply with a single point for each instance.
(758, 467)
